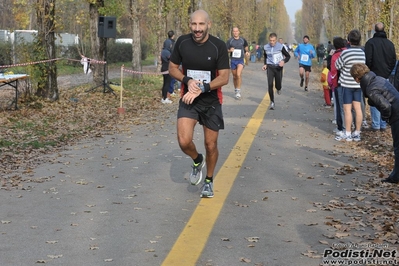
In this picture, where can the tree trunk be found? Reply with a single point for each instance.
(391, 15)
(160, 29)
(47, 84)
(136, 44)
(97, 44)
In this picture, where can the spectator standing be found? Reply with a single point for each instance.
(252, 51)
(324, 83)
(205, 66)
(352, 96)
(333, 82)
(330, 47)
(305, 52)
(165, 58)
(238, 49)
(320, 53)
(383, 96)
(381, 59)
(171, 36)
(259, 53)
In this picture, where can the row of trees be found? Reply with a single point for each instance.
(147, 21)
(142, 20)
(341, 16)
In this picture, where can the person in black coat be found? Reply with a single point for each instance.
(165, 58)
(383, 95)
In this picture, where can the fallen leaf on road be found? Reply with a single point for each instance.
(252, 239)
(246, 260)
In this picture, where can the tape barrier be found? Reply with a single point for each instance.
(146, 73)
(92, 61)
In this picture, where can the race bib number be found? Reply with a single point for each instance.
(277, 58)
(201, 75)
(304, 57)
(236, 53)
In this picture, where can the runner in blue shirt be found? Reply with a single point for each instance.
(305, 52)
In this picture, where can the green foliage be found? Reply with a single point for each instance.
(5, 53)
(6, 143)
(143, 88)
(119, 52)
(144, 50)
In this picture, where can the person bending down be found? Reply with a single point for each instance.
(384, 96)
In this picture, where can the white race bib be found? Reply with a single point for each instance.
(304, 57)
(200, 75)
(277, 58)
(236, 53)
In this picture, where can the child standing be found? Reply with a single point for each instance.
(326, 88)
(382, 95)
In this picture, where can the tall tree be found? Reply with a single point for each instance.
(98, 44)
(136, 45)
(47, 84)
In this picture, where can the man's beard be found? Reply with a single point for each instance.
(199, 35)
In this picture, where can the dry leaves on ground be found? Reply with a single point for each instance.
(42, 127)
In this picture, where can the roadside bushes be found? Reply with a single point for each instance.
(5, 53)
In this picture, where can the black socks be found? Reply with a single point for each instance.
(199, 158)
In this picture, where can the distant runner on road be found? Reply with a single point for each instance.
(305, 52)
(276, 56)
(237, 47)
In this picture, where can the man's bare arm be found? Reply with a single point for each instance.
(220, 80)
(175, 72)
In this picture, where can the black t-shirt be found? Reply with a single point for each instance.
(204, 59)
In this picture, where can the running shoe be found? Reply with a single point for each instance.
(279, 92)
(238, 94)
(272, 106)
(341, 135)
(364, 124)
(306, 88)
(356, 137)
(196, 172)
(167, 101)
(302, 80)
(207, 190)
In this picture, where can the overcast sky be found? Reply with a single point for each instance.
(292, 6)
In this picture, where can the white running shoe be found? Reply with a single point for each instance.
(167, 101)
(238, 94)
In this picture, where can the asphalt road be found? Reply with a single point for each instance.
(125, 199)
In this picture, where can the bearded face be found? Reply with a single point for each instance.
(200, 25)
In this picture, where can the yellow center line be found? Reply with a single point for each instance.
(192, 240)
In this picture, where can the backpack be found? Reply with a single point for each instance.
(329, 79)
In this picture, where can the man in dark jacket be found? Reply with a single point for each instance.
(381, 59)
(165, 58)
(382, 95)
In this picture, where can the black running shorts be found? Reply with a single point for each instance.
(209, 116)
(307, 68)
